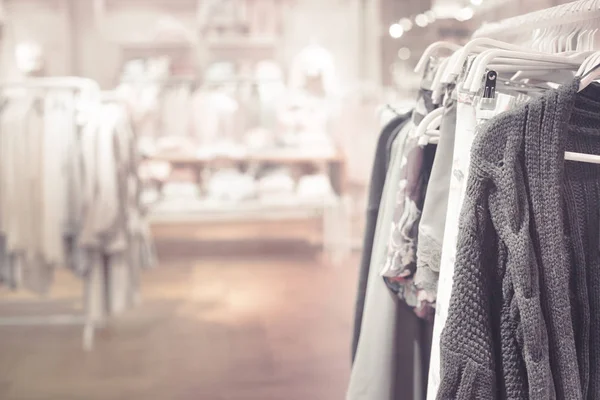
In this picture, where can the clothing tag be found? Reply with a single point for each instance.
(490, 85)
(488, 101)
(502, 103)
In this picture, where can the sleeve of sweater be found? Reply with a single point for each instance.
(467, 345)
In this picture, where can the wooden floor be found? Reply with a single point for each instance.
(250, 327)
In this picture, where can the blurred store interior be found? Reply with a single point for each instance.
(184, 188)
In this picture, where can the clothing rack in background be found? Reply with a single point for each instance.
(90, 317)
(565, 14)
(87, 187)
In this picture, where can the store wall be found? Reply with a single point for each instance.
(75, 44)
(94, 56)
(100, 47)
(41, 22)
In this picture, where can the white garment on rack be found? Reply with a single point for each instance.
(57, 202)
(12, 123)
(100, 177)
(24, 221)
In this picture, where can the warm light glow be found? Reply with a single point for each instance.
(465, 14)
(404, 53)
(396, 31)
(406, 24)
(421, 20)
(430, 16)
(476, 2)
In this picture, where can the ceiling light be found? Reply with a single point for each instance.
(430, 16)
(421, 20)
(404, 53)
(406, 24)
(476, 2)
(396, 31)
(465, 14)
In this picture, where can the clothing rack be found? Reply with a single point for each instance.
(91, 316)
(567, 21)
(564, 14)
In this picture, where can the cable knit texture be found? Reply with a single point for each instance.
(524, 318)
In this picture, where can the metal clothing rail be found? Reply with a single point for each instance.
(92, 315)
(571, 13)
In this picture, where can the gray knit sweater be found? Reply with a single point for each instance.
(524, 317)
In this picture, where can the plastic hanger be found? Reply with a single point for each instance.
(589, 71)
(433, 136)
(540, 60)
(526, 63)
(431, 51)
(590, 61)
(429, 122)
(475, 46)
(475, 73)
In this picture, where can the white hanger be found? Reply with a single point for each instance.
(478, 70)
(433, 136)
(475, 46)
(430, 51)
(429, 122)
(544, 20)
(589, 62)
(590, 74)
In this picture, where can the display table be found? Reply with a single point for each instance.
(320, 223)
(334, 163)
(242, 221)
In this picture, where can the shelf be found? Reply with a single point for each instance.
(254, 210)
(335, 162)
(308, 230)
(243, 221)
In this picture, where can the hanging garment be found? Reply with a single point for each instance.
(34, 183)
(525, 305)
(373, 371)
(58, 137)
(433, 217)
(100, 179)
(400, 262)
(72, 207)
(36, 272)
(378, 174)
(114, 235)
